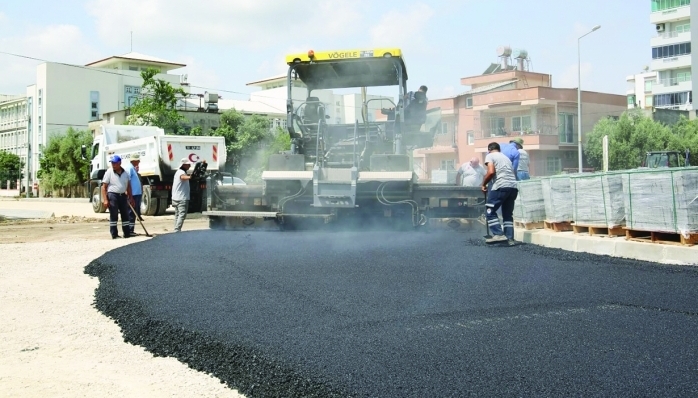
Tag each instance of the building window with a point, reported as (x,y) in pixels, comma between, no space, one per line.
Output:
(683,28)
(497,126)
(133,68)
(683,77)
(566,128)
(661,5)
(469,102)
(673,99)
(553,165)
(471,137)
(674,50)
(648,101)
(448,165)
(520,123)
(94,105)
(648,85)
(444,128)
(631,100)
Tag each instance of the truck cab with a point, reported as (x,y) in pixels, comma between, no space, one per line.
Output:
(661,159)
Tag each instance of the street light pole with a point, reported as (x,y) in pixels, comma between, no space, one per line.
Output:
(579,97)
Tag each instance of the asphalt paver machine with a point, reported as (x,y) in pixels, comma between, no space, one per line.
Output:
(358,173)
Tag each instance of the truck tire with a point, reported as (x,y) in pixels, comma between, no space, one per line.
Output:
(149,204)
(162,206)
(97,205)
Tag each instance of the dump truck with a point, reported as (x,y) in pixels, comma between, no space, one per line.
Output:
(160,156)
(358,173)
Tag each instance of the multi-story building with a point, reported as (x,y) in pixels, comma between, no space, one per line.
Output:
(671,54)
(509,101)
(13,127)
(341,108)
(640,90)
(67,96)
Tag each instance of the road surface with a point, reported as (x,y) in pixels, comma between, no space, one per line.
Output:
(404,315)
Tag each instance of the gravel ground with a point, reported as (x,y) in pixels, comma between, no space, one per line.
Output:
(53,342)
(405,315)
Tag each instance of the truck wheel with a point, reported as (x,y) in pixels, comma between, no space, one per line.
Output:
(215,222)
(97,205)
(149,204)
(162,206)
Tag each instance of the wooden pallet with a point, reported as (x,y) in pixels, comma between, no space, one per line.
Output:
(667,238)
(598,230)
(558,226)
(529,225)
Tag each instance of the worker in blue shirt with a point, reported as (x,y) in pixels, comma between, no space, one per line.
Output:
(136,191)
(512,152)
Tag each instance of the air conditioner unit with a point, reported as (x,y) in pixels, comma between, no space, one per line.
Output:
(660,27)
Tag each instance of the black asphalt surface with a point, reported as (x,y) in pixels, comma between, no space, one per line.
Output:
(405,314)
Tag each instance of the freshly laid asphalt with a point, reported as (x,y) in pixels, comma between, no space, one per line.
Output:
(404,314)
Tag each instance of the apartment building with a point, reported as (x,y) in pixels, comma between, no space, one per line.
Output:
(640,90)
(13,127)
(671,54)
(509,100)
(66,96)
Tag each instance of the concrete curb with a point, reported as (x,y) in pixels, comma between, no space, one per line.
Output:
(20,214)
(59,200)
(614,247)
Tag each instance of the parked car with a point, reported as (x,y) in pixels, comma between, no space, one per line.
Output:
(230,180)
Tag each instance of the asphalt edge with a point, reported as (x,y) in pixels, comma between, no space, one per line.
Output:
(240,368)
(614,247)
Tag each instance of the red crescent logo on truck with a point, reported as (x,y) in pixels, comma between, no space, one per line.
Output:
(193,158)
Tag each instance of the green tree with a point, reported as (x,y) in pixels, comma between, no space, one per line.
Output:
(157,105)
(61,165)
(11,167)
(245,141)
(279,142)
(629,138)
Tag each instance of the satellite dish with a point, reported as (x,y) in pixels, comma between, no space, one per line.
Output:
(646,68)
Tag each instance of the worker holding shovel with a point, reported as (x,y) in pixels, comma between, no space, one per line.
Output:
(136,191)
(502,194)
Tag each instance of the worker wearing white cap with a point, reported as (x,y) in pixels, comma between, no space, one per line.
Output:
(136,190)
(180,193)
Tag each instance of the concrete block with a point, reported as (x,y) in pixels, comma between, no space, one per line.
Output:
(596,245)
(563,240)
(682,255)
(640,251)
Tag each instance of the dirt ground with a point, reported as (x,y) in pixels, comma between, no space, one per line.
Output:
(53,342)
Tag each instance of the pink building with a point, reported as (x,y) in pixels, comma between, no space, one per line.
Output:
(510,101)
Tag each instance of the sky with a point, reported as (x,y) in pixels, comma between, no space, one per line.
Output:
(229,43)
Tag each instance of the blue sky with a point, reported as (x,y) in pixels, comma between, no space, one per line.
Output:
(228,43)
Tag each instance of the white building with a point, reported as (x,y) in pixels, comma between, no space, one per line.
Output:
(640,90)
(341,108)
(67,96)
(671,54)
(13,127)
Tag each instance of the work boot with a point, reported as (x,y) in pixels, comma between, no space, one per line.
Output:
(496,238)
(512,242)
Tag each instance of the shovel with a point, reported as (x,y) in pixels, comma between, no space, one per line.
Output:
(140,220)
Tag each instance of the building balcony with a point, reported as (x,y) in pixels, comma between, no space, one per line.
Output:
(667,38)
(678,62)
(671,14)
(666,86)
(546,138)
